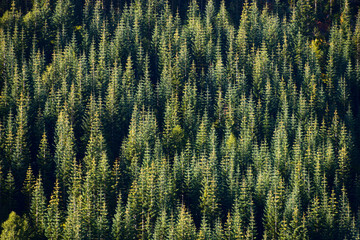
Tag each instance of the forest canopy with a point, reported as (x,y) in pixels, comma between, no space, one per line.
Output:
(157,119)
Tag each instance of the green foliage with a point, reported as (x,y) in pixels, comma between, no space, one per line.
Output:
(53,217)
(118,227)
(185,228)
(15,227)
(38,207)
(64,151)
(63,15)
(201,119)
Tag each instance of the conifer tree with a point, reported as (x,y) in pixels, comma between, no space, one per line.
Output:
(343,157)
(205,231)
(102,228)
(208,198)
(173,132)
(20,155)
(96,146)
(344,214)
(9,140)
(305,14)
(127,90)
(74,225)
(64,149)
(274,207)
(38,207)
(44,161)
(161,228)
(9,191)
(53,217)
(29,185)
(118,223)
(185,228)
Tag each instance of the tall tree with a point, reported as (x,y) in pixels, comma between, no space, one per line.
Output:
(21,152)
(38,207)
(64,149)
(53,217)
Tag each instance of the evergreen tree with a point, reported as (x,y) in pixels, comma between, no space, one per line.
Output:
(185,228)
(20,157)
(161,229)
(208,199)
(29,185)
(44,161)
(173,132)
(64,149)
(74,225)
(53,217)
(118,225)
(38,207)
(9,191)
(273,208)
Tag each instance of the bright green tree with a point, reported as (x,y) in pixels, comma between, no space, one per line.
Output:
(15,227)
(64,149)
(53,217)
(38,207)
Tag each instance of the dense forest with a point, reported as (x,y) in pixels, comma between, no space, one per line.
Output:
(157,119)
